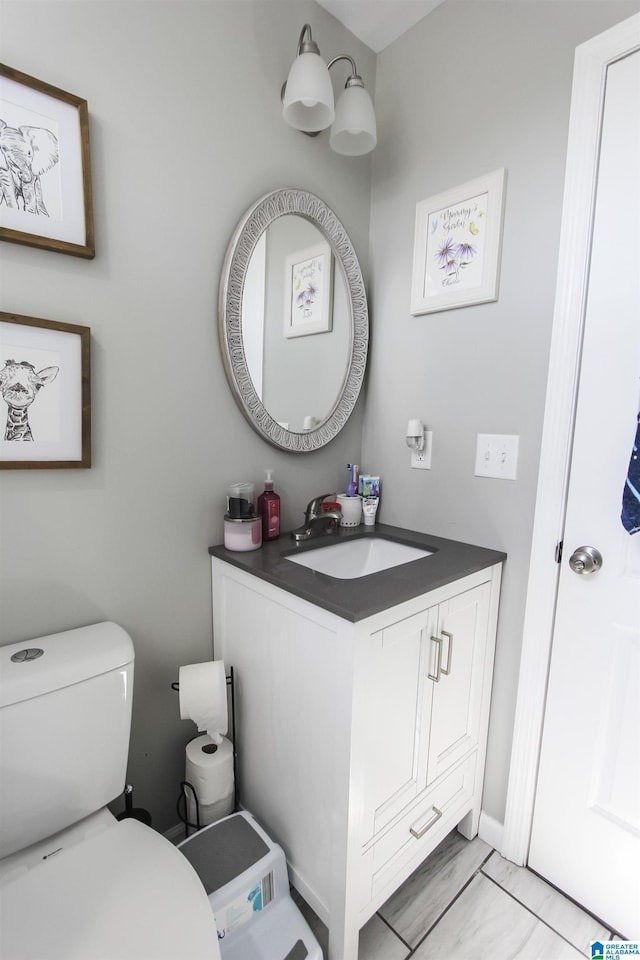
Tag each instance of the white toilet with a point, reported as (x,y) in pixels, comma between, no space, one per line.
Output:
(76,883)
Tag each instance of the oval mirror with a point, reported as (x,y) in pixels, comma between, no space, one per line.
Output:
(293,320)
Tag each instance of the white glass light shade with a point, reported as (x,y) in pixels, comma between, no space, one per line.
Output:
(354,129)
(308,98)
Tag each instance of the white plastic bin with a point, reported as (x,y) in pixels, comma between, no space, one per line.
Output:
(245,876)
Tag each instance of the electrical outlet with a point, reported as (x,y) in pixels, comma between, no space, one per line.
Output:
(497,456)
(421,459)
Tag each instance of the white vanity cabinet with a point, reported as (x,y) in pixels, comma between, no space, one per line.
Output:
(360,744)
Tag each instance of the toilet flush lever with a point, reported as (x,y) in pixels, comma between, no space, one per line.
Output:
(585,560)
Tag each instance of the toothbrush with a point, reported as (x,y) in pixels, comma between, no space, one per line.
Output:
(352,487)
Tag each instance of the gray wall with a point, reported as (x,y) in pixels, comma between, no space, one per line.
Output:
(473,87)
(186,132)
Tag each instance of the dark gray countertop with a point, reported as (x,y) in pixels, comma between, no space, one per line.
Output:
(364,596)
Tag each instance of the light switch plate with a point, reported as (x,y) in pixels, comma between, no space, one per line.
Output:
(497,456)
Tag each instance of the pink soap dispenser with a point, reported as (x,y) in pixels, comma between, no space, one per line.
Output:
(269,509)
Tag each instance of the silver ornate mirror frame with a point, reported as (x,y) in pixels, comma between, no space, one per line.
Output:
(255,221)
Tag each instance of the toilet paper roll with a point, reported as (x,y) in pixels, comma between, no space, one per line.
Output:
(210,773)
(203,697)
(208,813)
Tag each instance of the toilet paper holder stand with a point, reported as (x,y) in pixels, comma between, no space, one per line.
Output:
(184,785)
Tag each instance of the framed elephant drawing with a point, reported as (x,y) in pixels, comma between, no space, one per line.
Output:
(45,171)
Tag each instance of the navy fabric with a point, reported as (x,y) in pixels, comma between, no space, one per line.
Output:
(631,495)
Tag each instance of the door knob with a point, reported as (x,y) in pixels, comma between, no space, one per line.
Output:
(585,560)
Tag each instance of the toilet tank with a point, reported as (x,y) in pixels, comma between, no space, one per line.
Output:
(65,717)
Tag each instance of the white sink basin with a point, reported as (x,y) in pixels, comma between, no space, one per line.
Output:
(358,558)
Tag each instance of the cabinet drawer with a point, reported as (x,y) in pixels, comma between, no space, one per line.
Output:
(421,827)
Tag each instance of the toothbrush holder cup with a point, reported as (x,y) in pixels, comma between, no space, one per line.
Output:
(351,510)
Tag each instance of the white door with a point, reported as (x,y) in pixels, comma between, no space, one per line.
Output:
(586,824)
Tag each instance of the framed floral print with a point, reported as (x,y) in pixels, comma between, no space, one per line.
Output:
(308,295)
(457,245)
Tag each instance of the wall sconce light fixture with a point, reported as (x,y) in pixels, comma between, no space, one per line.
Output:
(308,105)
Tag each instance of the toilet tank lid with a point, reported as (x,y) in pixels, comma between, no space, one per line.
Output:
(68,657)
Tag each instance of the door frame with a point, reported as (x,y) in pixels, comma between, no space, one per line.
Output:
(592,60)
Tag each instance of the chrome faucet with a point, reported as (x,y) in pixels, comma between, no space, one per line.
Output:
(316,520)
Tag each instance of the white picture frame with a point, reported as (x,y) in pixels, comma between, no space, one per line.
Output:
(308,291)
(457,246)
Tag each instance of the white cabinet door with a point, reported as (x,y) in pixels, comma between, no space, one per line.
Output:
(395,712)
(421,701)
(458,652)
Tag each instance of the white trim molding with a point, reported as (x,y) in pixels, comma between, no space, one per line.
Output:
(587,100)
(490,830)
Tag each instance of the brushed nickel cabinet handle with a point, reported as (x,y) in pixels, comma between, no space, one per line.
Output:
(438,642)
(420,830)
(447,670)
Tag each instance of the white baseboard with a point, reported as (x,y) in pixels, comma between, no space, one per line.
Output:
(490,831)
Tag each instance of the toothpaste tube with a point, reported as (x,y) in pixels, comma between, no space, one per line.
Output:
(369,508)
(368,486)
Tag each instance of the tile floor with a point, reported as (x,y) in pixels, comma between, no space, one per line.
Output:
(467,903)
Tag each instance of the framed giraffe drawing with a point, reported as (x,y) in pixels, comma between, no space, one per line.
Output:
(45,389)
